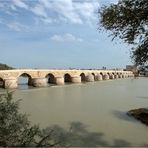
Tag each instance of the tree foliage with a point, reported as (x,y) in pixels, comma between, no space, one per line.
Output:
(5,67)
(15,129)
(128,20)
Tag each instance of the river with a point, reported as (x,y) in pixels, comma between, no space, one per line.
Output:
(101,106)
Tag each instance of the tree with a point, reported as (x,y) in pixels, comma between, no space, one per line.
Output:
(5,67)
(15,129)
(128,20)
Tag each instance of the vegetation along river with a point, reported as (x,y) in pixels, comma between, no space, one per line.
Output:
(101,106)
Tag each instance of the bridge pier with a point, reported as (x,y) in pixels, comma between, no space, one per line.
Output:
(116,76)
(30,81)
(10,83)
(90,78)
(59,80)
(39,82)
(106,77)
(76,79)
(123,76)
(119,76)
(99,77)
(111,76)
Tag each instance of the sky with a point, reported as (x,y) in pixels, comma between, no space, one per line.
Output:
(57,34)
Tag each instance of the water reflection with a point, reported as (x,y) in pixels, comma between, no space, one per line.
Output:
(79,136)
(121,143)
(123,116)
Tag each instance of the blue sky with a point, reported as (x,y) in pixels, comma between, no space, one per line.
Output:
(57,34)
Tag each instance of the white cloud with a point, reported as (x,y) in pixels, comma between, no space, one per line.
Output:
(20,3)
(86,9)
(56,11)
(46,3)
(39,10)
(8,9)
(46,20)
(57,38)
(66,10)
(65,38)
(72,11)
(17,26)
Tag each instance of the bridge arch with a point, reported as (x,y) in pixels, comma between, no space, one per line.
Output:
(50,78)
(119,75)
(111,75)
(83,77)
(25,78)
(108,73)
(2,83)
(101,73)
(67,78)
(94,76)
(25,75)
(98,77)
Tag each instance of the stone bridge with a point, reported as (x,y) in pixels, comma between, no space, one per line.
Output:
(41,77)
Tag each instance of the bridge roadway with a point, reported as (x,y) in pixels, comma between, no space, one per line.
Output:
(41,77)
